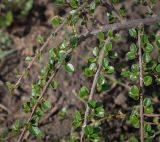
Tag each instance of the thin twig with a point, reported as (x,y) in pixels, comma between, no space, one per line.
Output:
(5,108)
(151,115)
(109,117)
(141,87)
(102,53)
(46,44)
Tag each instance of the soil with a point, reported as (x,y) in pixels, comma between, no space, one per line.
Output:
(56,128)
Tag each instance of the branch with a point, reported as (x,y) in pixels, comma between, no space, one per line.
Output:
(101,56)
(41,96)
(46,44)
(141,87)
(120,26)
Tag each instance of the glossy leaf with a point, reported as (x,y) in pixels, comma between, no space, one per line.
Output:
(56,21)
(147,80)
(134,92)
(83,92)
(133,33)
(69,68)
(35,131)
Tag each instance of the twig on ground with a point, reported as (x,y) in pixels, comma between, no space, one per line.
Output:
(5,108)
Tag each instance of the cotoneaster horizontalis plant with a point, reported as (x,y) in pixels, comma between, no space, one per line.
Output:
(143,71)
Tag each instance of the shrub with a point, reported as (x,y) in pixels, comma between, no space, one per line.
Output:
(142,71)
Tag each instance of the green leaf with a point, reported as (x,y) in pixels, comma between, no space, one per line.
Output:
(106,87)
(99,111)
(36,89)
(54,84)
(110,33)
(125,73)
(28,58)
(10,86)
(147,102)
(131,55)
(101,36)
(69,68)
(68,58)
(6,20)
(39,112)
(108,46)
(135,68)
(148,110)
(158,68)
(88,72)
(134,92)
(83,91)
(46,105)
(93,67)
(158,80)
(77,118)
(105,63)
(122,11)
(151,65)
(73,3)
(144,39)
(146,57)
(73,41)
(133,139)
(133,48)
(74,19)
(96,51)
(35,131)
(16,126)
(63,112)
(92,104)
(40,39)
(88,130)
(26,107)
(110,70)
(113,54)
(117,37)
(147,127)
(134,120)
(133,33)
(92,6)
(147,80)
(148,47)
(101,80)
(133,76)
(56,21)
